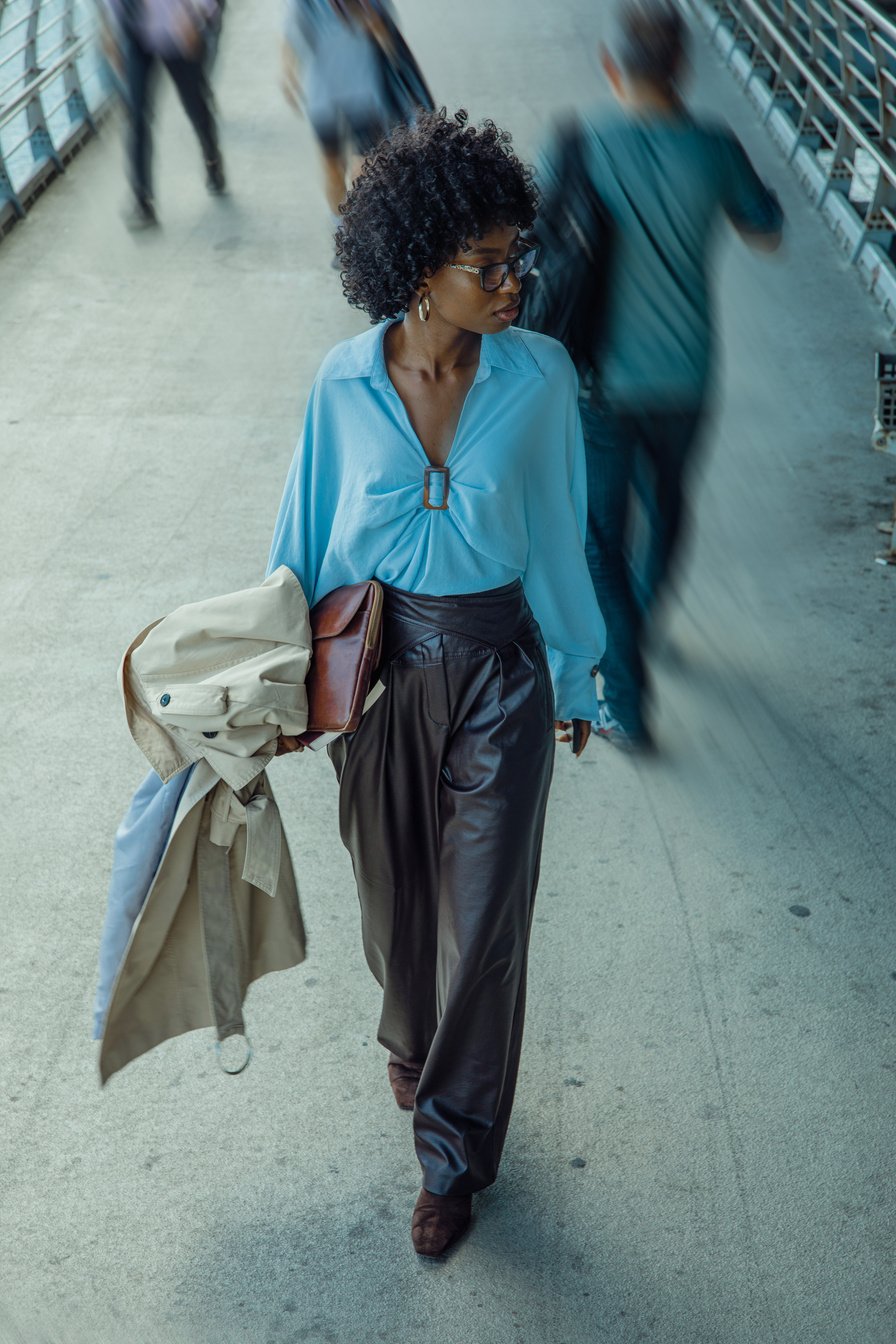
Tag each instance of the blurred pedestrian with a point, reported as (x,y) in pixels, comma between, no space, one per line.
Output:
(347,63)
(173,33)
(112,63)
(662,177)
(442,454)
(212,43)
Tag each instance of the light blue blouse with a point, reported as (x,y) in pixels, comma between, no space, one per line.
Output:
(353,505)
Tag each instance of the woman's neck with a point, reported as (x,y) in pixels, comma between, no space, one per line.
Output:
(435,348)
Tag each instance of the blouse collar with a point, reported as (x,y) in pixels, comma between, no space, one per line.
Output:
(363,357)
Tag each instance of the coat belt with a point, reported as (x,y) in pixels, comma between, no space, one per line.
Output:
(261,818)
(222,818)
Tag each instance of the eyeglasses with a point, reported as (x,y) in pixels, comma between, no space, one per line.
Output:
(493,276)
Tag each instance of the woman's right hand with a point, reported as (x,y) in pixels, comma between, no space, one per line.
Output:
(285,745)
(563,732)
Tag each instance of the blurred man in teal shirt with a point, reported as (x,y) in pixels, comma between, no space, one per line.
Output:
(665,178)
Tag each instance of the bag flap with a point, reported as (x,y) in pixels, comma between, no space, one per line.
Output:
(331,615)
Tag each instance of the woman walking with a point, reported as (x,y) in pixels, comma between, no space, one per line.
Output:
(348,64)
(173,33)
(442,454)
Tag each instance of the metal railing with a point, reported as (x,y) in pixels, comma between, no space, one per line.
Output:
(54,86)
(824,73)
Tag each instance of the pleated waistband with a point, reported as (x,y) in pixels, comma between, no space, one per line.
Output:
(496,617)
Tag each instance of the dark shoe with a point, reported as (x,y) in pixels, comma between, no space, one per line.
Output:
(403,1079)
(439,1221)
(141,216)
(215,180)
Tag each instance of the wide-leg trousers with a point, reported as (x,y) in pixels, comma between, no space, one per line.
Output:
(443,791)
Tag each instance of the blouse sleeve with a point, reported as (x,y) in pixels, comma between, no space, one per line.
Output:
(304,523)
(557,582)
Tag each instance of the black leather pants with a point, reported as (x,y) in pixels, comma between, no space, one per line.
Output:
(443,791)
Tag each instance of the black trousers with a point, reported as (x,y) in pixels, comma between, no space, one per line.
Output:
(442,800)
(192,86)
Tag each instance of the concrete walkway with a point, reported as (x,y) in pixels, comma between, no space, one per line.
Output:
(702,1143)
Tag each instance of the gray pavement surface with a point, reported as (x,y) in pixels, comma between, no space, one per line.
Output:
(701,1151)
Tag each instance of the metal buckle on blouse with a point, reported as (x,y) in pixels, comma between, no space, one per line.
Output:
(428,473)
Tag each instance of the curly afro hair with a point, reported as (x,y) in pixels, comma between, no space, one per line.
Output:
(423,193)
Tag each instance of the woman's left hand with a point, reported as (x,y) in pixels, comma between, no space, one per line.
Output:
(564,729)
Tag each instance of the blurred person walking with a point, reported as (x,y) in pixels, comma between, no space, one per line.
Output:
(662,178)
(212,43)
(442,455)
(173,33)
(347,63)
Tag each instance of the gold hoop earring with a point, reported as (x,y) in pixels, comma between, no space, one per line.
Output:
(423,312)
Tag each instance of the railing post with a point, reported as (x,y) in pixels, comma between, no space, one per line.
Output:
(42,146)
(78,111)
(762,60)
(842,168)
(787,73)
(815,110)
(722,8)
(7,194)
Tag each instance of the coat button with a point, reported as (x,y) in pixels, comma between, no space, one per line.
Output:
(210,734)
(165,699)
(594,670)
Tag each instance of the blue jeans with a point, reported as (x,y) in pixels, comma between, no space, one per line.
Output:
(644,453)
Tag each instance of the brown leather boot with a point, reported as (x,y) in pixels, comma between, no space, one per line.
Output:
(439,1221)
(403,1078)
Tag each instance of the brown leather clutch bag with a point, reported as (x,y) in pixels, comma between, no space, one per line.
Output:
(346,638)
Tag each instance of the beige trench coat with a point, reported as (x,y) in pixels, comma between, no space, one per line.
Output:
(213,685)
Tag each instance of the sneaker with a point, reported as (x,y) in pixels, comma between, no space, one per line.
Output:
(215,181)
(141,216)
(612,731)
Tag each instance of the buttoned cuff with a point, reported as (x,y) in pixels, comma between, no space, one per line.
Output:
(575,694)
